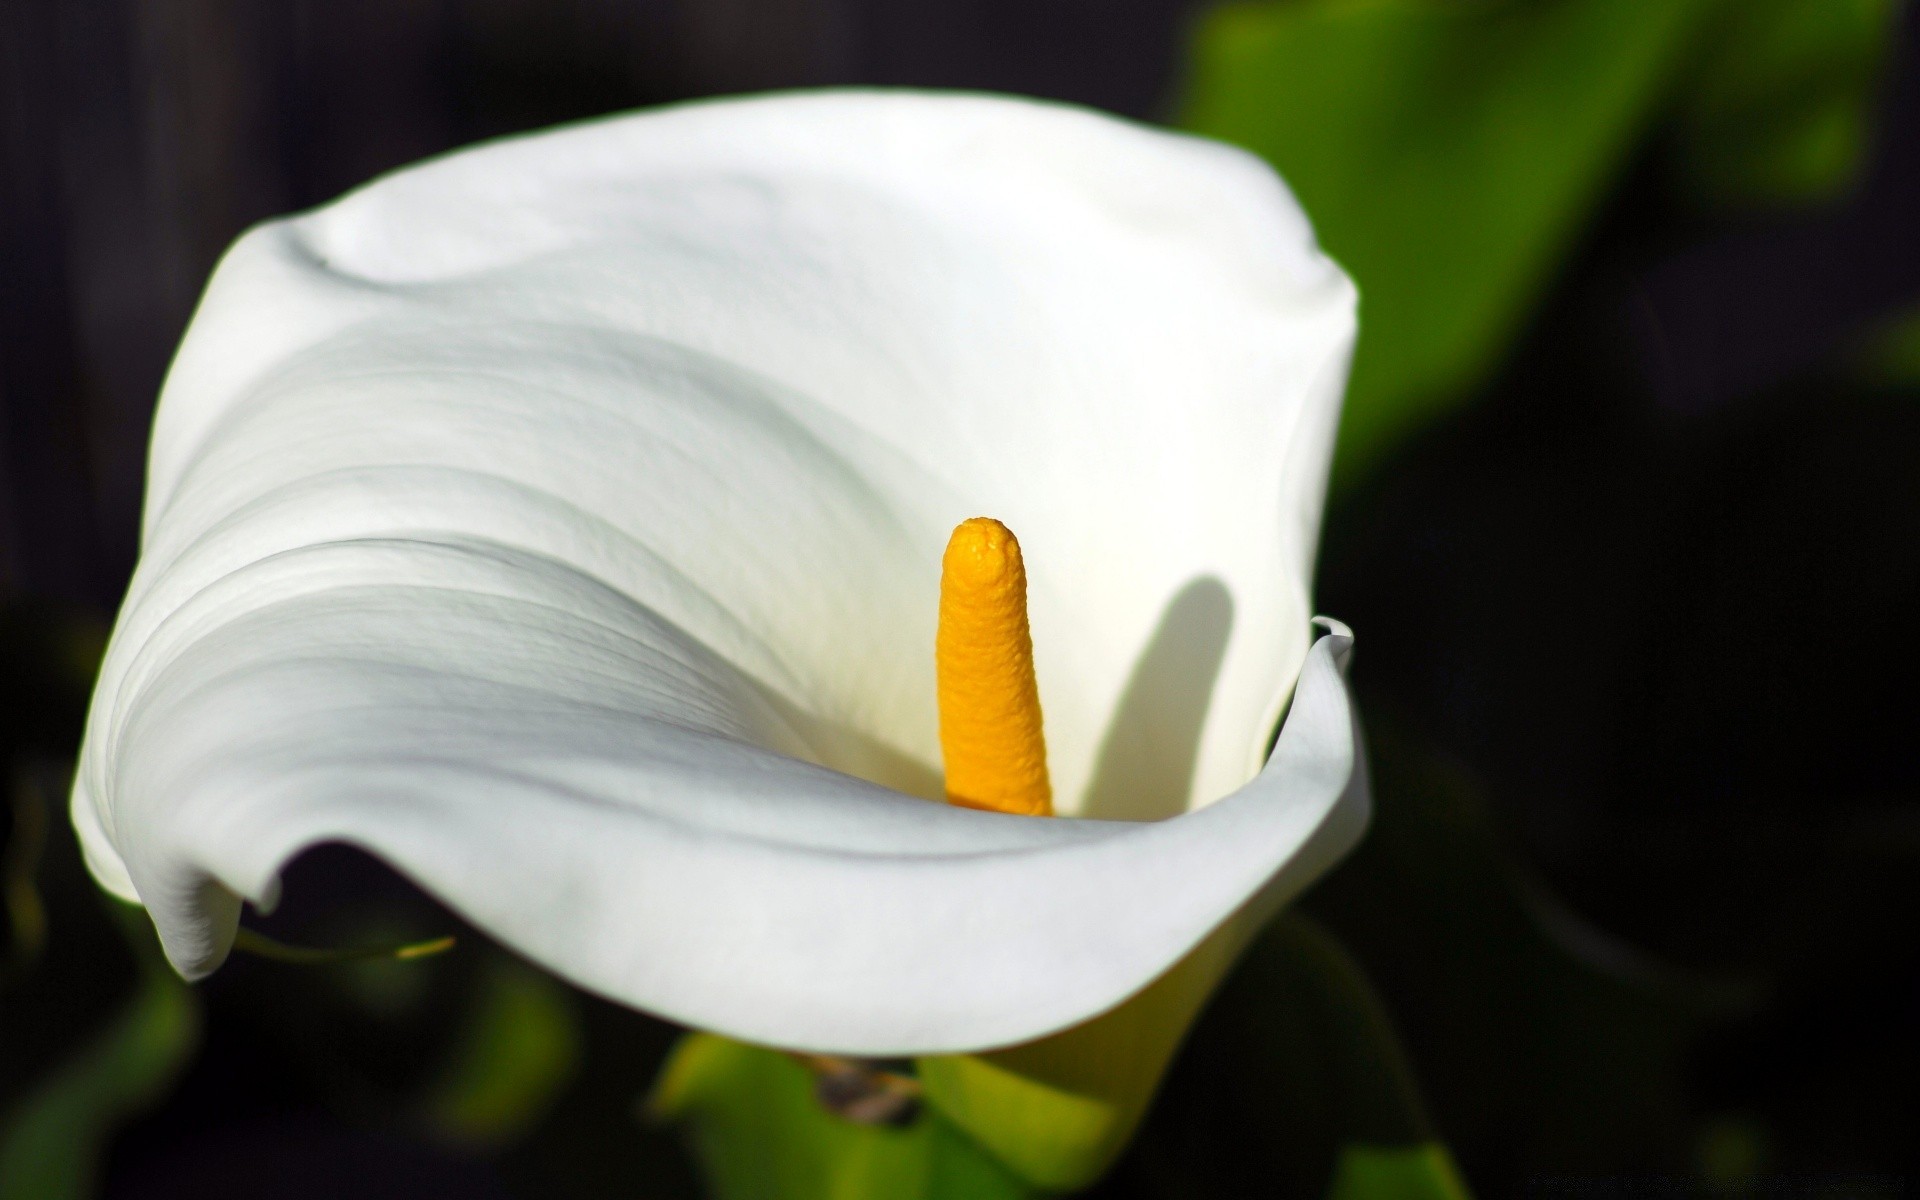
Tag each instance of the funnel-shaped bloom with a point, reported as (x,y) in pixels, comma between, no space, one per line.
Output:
(561,522)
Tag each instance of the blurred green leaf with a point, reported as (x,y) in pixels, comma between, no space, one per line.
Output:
(52,1142)
(1060,1109)
(1890,354)
(588,1145)
(1450,153)
(519,1049)
(759,1132)
(1447,154)
(1368,1084)
(1731,1154)
(1303,1021)
(1423,1172)
(1535,1033)
(19,883)
(1294,1084)
(1779,108)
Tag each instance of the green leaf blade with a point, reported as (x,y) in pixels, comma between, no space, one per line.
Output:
(1422,1172)
(759,1133)
(53,1141)
(1450,155)
(1447,155)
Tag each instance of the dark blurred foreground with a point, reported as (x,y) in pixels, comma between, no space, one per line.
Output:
(1636,644)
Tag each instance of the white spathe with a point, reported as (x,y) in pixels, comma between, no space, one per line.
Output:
(560,520)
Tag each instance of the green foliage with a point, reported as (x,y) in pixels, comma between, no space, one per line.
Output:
(1450,154)
(1293,1084)
(52,1142)
(62,1096)
(1538,1033)
(1303,1027)
(1447,154)
(1050,1116)
(1777,111)
(519,1048)
(754,1123)
(75,961)
(1890,355)
(1059,1110)
(1315,986)
(26,912)
(1423,1172)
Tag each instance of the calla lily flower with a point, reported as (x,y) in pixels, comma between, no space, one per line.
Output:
(560,521)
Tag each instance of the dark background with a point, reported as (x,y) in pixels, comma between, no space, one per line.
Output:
(1636,628)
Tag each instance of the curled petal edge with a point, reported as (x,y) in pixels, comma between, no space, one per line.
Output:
(951,952)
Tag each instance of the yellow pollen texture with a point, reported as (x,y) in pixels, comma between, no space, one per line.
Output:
(990,734)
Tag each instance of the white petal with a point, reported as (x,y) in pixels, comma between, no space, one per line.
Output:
(549,518)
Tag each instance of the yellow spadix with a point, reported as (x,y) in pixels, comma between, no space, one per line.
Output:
(990,733)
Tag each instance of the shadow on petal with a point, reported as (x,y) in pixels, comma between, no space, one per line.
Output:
(1145,767)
